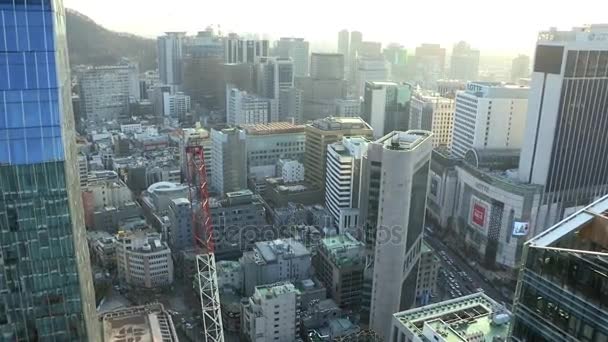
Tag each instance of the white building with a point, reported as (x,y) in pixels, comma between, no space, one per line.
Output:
(143,260)
(370,69)
(290,170)
(170,51)
(342,179)
(489,115)
(271,314)
(245,109)
(229,158)
(238,50)
(394,181)
(348,108)
(167,102)
(432,112)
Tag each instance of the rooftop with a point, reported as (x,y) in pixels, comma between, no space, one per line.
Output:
(149,323)
(274,290)
(594,32)
(272,128)
(405,141)
(343,249)
(457,320)
(332,123)
(269,251)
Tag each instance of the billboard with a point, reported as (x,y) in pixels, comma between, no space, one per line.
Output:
(479,213)
(521,228)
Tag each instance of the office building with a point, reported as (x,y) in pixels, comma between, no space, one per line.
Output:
(475,317)
(356,38)
(267,144)
(396,57)
(561,292)
(106,91)
(464,62)
(149,322)
(170,53)
(520,68)
(241,75)
(47,289)
(274,261)
(298,50)
(386,106)
(370,69)
(243,108)
(319,134)
(348,108)
(229,158)
(440,201)
(167,103)
(431,112)
(343,45)
(489,115)
(290,171)
(426,283)
(239,221)
(143,259)
(370,49)
(339,264)
(327,66)
(429,64)
(274,74)
(202,80)
(449,88)
(342,180)
(180,230)
(565,129)
(290,105)
(271,314)
(238,50)
(394,165)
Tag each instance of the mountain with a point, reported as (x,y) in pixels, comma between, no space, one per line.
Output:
(90,43)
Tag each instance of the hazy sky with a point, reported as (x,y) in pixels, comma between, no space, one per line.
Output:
(506,26)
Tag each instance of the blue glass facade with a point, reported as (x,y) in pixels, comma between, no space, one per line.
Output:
(46,291)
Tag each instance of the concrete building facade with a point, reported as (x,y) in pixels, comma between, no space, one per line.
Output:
(432,112)
(229,160)
(143,259)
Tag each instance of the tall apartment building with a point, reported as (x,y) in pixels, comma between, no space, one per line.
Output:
(106,91)
(272,313)
(229,158)
(464,62)
(565,138)
(243,108)
(394,165)
(370,69)
(562,288)
(323,132)
(431,112)
(489,115)
(339,264)
(342,180)
(47,290)
(275,261)
(170,53)
(520,67)
(386,106)
(143,259)
(238,50)
(180,230)
(298,50)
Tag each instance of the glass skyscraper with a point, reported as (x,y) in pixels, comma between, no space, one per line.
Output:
(46,291)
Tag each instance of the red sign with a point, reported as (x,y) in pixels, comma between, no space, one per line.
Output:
(479,214)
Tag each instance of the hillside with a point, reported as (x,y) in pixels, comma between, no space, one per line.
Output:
(90,43)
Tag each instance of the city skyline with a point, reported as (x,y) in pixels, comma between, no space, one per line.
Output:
(493,35)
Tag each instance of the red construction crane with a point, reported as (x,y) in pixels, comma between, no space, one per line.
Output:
(202,226)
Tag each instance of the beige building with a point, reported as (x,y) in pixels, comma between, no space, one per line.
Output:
(323,132)
(143,259)
(430,111)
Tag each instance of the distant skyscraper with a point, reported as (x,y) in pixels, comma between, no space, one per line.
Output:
(356,38)
(229,156)
(290,105)
(396,56)
(370,49)
(561,293)
(395,167)
(343,44)
(46,289)
(565,135)
(274,74)
(170,52)
(237,50)
(298,50)
(243,108)
(489,115)
(386,106)
(520,68)
(464,62)
(431,112)
(429,64)
(370,69)
(327,66)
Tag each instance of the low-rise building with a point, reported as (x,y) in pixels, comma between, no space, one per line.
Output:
(426,282)
(290,170)
(102,246)
(475,317)
(143,259)
(149,323)
(279,193)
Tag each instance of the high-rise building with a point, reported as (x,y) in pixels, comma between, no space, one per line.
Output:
(464,62)
(229,158)
(431,112)
(489,115)
(520,67)
(343,45)
(202,77)
(348,108)
(327,66)
(170,104)
(244,109)
(394,165)
(429,64)
(356,38)
(47,289)
(274,74)
(370,69)
(396,56)
(562,288)
(290,105)
(565,138)
(370,49)
(272,313)
(238,50)
(170,52)
(323,132)
(386,106)
(342,180)
(106,91)
(298,50)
